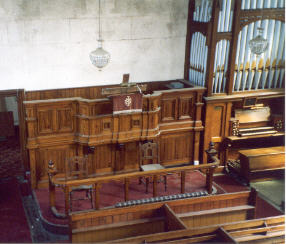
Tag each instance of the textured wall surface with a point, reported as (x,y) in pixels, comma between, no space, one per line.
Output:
(46,43)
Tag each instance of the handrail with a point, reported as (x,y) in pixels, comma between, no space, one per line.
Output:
(106,178)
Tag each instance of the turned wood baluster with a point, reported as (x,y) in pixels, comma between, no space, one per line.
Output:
(211,159)
(51,172)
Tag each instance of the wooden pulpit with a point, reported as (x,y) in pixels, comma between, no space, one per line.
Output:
(127,97)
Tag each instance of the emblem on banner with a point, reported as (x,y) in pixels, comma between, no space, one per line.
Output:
(128,101)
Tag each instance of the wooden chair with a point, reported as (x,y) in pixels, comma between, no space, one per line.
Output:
(77,168)
(150,160)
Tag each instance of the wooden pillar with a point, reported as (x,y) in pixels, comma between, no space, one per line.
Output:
(209,179)
(211,37)
(22,128)
(32,154)
(233,45)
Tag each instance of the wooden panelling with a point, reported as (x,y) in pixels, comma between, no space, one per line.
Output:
(57,154)
(102,160)
(82,117)
(176,148)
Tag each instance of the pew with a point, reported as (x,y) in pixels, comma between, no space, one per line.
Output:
(265,230)
(161,217)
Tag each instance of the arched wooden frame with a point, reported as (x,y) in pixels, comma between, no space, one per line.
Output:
(249,16)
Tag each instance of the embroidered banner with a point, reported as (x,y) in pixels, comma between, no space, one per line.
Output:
(127,103)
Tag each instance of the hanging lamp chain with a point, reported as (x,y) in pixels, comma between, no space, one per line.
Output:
(99,22)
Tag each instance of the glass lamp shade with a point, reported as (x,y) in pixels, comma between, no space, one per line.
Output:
(258,45)
(99,57)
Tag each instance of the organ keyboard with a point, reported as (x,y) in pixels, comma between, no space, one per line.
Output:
(257,131)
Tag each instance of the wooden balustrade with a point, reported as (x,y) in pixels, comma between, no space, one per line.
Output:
(96,182)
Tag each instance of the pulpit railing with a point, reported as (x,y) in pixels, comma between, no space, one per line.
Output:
(96,182)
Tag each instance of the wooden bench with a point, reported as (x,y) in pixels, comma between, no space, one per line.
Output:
(161,217)
(262,163)
(266,230)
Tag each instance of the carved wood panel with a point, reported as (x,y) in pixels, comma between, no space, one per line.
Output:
(65,120)
(45,121)
(185,107)
(168,109)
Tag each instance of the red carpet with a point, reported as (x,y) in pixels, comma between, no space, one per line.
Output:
(13,225)
(10,158)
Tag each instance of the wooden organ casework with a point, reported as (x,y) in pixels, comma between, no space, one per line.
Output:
(78,121)
(244,100)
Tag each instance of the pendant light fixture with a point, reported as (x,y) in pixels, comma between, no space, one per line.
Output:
(99,57)
(258,45)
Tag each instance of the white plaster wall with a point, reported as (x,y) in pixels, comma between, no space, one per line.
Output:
(45,44)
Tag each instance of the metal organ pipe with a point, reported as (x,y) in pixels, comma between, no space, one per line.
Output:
(198,53)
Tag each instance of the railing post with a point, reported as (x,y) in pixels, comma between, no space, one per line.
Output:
(211,152)
(183,181)
(67,200)
(211,158)
(209,179)
(155,182)
(126,189)
(51,172)
(96,200)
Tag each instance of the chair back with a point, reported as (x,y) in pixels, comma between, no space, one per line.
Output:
(149,153)
(76,167)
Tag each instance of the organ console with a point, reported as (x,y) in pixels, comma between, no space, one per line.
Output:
(254,150)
